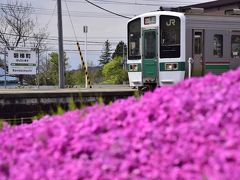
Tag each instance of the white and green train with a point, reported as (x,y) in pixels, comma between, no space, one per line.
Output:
(161,43)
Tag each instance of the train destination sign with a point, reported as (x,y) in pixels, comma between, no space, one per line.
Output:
(22,61)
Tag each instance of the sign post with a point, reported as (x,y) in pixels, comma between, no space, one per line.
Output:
(38,67)
(21,61)
(85,30)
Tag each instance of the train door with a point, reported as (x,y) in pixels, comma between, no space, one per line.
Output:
(198,50)
(150,67)
(235,50)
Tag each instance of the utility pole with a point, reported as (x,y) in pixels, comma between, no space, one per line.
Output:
(61,63)
(123,57)
(5,67)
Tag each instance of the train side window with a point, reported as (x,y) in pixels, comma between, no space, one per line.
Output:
(235,46)
(218,45)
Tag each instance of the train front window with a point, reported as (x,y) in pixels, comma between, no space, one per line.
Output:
(169,36)
(134,39)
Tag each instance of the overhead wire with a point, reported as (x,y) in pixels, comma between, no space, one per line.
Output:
(53,12)
(55,39)
(107,10)
(43,11)
(128,3)
(173,2)
(74,32)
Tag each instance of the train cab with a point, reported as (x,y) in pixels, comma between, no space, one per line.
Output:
(156,49)
(161,43)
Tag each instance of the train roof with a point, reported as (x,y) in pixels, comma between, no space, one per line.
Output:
(155,13)
(204,16)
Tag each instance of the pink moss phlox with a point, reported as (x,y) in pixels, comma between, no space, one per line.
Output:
(187,131)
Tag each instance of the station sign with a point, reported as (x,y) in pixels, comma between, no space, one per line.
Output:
(22,61)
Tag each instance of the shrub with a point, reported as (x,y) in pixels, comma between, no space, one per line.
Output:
(187,131)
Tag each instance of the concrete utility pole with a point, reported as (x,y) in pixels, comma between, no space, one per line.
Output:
(61,63)
(5,67)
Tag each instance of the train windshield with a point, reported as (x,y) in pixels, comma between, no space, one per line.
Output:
(134,39)
(169,36)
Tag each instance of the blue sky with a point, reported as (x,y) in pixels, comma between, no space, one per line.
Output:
(101,25)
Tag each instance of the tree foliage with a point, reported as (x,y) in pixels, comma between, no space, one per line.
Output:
(121,49)
(50,75)
(113,72)
(106,53)
(76,77)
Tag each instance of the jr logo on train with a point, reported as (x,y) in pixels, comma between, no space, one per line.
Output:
(161,43)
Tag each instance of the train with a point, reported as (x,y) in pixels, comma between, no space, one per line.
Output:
(165,47)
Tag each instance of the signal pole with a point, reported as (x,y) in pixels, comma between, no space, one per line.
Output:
(61,63)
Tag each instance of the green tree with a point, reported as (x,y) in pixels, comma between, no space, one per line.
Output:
(50,77)
(75,77)
(53,69)
(121,49)
(113,72)
(106,53)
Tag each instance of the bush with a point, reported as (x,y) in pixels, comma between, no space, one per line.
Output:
(187,131)
(113,72)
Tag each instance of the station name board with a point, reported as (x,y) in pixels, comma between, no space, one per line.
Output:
(21,61)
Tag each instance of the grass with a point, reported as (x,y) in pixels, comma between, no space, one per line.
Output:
(59,109)
(1,124)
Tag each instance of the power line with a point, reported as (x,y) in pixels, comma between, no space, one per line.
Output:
(53,38)
(173,2)
(18,7)
(81,15)
(74,32)
(129,3)
(53,12)
(44,11)
(107,10)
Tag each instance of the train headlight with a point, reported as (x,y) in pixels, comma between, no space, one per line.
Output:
(171,66)
(133,67)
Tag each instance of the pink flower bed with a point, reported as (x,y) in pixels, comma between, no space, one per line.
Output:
(187,131)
